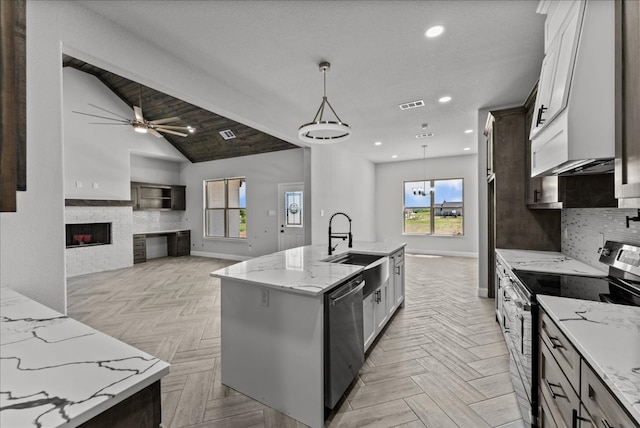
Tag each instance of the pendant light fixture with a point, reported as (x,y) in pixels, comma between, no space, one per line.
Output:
(321,130)
(422,191)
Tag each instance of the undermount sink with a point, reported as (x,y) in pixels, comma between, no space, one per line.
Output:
(359,259)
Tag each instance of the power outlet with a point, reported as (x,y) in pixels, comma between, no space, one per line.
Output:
(264,298)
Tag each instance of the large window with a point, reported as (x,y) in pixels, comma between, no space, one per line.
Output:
(433,207)
(225,208)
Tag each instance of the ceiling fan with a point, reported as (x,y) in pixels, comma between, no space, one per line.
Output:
(140,124)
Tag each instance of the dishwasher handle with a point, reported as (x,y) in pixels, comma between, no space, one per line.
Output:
(335,300)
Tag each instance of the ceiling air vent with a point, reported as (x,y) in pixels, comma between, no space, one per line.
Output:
(411,104)
(228,134)
(430,134)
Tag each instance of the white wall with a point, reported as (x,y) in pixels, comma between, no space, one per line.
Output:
(389,184)
(263,173)
(54,27)
(153,170)
(342,182)
(100,154)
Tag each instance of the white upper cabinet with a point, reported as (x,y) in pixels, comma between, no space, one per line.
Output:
(557,67)
(573,121)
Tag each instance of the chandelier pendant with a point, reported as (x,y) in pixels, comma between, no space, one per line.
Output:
(321,130)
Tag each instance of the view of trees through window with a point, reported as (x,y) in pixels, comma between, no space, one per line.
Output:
(225,212)
(433,207)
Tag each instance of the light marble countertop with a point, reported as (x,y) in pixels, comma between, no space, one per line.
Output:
(547,261)
(301,269)
(152,232)
(608,337)
(56,371)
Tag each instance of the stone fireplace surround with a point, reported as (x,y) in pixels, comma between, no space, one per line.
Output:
(91,259)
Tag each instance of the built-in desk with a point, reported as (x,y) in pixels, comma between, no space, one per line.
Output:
(178,243)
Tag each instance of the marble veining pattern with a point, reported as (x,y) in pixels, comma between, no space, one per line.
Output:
(548,261)
(55,371)
(301,269)
(608,338)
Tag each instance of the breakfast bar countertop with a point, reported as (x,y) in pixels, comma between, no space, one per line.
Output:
(56,371)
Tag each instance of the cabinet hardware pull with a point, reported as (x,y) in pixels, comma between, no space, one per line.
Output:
(605,424)
(553,394)
(536,194)
(398,270)
(541,110)
(575,418)
(521,334)
(555,345)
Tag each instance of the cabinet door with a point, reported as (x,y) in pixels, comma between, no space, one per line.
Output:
(380,300)
(184,243)
(391,289)
(627,84)
(557,70)
(178,199)
(399,281)
(556,390)
(369,320)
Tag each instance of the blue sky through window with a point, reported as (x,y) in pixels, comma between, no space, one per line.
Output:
(445,190)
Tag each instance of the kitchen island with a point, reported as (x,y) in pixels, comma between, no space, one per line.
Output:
(56,372)
(273,326)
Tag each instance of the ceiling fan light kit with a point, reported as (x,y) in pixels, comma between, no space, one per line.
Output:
(320,130)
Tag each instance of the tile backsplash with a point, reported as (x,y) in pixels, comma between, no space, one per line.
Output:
(584,229)
(150,221)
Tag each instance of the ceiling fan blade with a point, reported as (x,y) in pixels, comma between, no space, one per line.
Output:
(138,112)
(170,132)
(103,123)
(175,128)
(165,120)
(101,117)
(104,109)
(154,132)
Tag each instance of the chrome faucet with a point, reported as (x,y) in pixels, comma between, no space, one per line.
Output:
(342,236)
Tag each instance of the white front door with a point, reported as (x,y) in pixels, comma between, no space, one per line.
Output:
(290,215)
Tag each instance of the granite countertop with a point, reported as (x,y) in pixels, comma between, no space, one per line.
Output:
(56,371)
(608,337)
(301,269)
(547,261)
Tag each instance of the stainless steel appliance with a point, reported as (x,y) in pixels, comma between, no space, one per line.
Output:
(344,343)
(518,310)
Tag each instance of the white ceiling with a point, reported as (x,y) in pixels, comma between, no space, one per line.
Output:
(489,56)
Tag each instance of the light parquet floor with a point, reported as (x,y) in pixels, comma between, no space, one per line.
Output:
(441,362)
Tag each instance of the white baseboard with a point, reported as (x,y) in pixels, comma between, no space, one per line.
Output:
(440,253)
(220,256)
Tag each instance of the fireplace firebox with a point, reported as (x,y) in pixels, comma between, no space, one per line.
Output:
(88,234)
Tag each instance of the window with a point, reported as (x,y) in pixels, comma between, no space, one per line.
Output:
(433,207)
(225,208)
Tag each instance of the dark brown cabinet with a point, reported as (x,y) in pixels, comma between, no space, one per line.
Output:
(627,164)
(139,249)
(511,225)
(179,243)
(157,197)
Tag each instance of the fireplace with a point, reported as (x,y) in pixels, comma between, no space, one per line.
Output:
(88,234)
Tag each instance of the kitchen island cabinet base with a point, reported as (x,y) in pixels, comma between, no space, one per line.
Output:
(272,348)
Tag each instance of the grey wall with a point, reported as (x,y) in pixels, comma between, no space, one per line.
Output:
(263,173)
(389,185)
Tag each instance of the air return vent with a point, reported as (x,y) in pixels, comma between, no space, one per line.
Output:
(228,134)
(411,104)
(430,134)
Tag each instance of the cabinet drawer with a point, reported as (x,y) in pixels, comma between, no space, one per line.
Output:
(562,350)
(545,419)
(601,405)
(139,245)
(556,389)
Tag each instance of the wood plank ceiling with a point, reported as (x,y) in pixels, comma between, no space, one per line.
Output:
(206,144)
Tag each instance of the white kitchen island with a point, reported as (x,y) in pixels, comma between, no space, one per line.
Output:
(272,332)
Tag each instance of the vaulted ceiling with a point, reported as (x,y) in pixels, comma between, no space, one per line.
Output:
(206,143)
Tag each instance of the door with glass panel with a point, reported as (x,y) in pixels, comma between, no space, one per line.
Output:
(290,215)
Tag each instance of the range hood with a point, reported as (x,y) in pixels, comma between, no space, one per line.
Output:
(578,134)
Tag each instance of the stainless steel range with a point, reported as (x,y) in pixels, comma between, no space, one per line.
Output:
(517,310)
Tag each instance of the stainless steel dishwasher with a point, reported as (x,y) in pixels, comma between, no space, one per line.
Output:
(343,336)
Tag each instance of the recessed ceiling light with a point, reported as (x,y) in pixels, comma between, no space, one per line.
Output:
(468,131)
(394,156)
(445,99)
(377,143)
(467,149)
(434,31)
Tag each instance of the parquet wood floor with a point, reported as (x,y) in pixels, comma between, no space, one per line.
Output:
(441,362)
